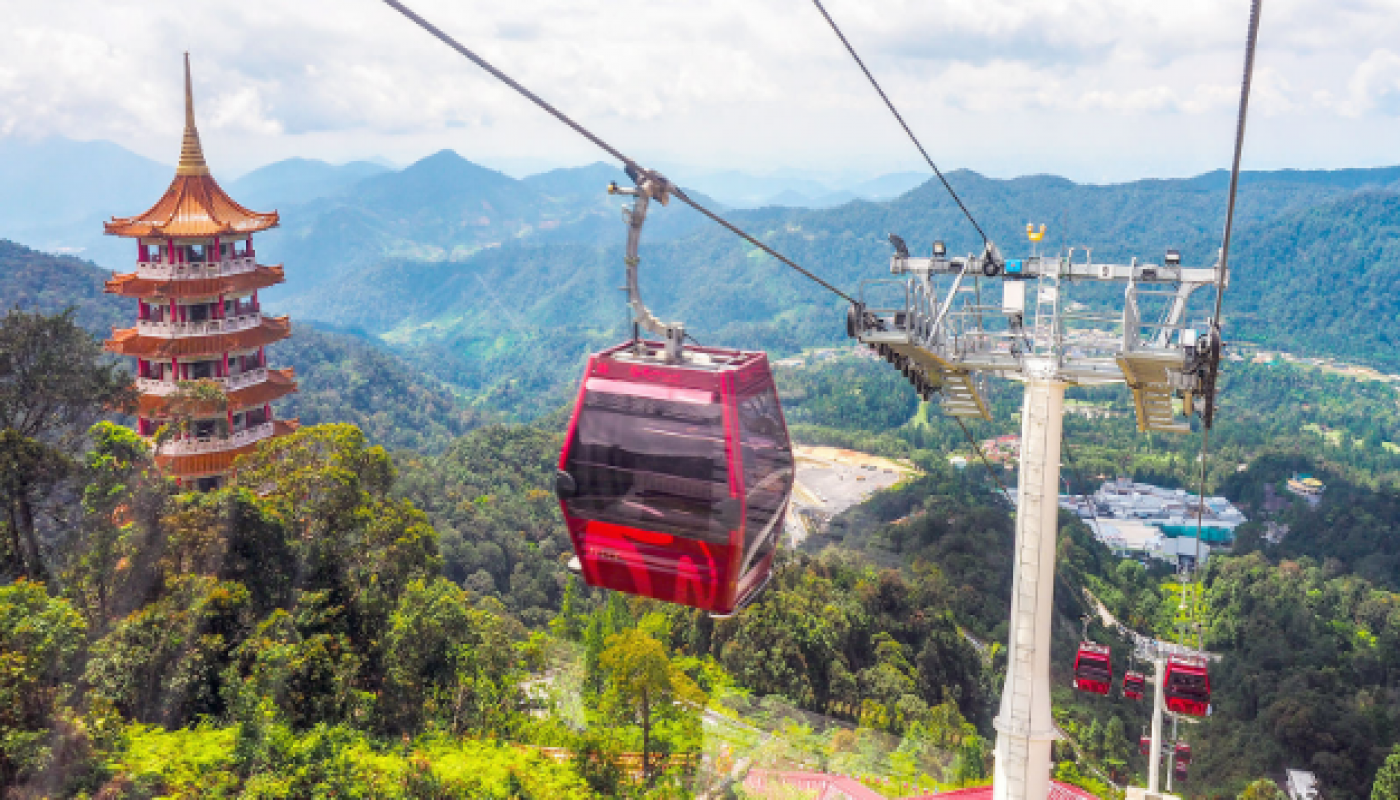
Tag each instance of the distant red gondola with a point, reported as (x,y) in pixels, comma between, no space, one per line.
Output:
(1183,753)
(675,477)
(1145,745)
(1180,772)
(1187,686)
(1093,670)
(1134,683)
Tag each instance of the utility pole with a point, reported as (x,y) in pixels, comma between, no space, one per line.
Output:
(951,323)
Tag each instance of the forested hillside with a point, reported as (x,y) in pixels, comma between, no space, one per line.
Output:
(427,278)
(305,627)
(343,378)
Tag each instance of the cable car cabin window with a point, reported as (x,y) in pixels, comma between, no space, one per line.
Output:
(652,464)
(767,458)
(1189,685)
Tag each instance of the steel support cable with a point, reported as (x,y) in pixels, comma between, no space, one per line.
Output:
(1247,81)
(900,119)
(633,166)
(1251,40)
(977,448)
(678,192)
(1078,476)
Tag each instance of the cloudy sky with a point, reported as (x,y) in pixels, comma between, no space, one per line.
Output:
(1097,90)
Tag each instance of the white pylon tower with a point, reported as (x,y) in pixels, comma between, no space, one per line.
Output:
(949,323)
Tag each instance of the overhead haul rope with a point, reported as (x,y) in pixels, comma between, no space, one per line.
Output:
(977,448)
(902,124)
(1220,281)
(633,168)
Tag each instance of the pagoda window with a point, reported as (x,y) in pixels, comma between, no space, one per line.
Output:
(204,428)
(202,369)
(199,312)
(255,417)
(207,484)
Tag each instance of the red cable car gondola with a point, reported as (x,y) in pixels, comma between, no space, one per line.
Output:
(674,479)
(1187,686)
(1183,753)
(677,468)
(1093,670)
(1180,772)
(1145,745)
(1134,683)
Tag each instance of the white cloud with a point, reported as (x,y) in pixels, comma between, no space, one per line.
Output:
(748,83)
(1374,86)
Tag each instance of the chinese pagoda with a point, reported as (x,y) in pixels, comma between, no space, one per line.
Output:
(199,319)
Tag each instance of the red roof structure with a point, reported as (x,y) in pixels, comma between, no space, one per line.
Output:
(1058,791)
(194,205)
(781,783)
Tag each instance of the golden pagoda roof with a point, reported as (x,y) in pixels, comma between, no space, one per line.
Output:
(130,342)
(194,205)
(131,284)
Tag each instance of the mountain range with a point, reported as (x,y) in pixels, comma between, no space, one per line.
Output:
(499,286)
(471,303)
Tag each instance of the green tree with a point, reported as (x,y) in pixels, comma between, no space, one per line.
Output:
(292,669)
(120,487)
(568,623)
(55,381)
(1093,740)
(970,766)
(1262,789)
(448,662)
(41,643)
(644,685)
(166,662)
(330,492)
(1387,783)
(1115,745)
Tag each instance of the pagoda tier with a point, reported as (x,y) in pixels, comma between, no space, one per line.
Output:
(251,389)
(195,459)
(200,323)
(147,283)
(165,340)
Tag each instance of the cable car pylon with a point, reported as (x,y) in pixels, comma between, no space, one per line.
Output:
(941,324)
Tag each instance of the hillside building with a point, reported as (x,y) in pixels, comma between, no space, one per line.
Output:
(1302,785)
(1150,521)
(199,320)
(1307,487)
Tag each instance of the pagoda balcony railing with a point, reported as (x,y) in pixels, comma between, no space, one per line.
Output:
(193,446)
(195,269)
(164,388)
(204,327)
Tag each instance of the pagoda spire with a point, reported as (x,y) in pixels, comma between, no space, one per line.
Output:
(191,154)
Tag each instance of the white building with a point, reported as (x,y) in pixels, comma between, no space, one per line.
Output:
(1139,519)
(1302,785)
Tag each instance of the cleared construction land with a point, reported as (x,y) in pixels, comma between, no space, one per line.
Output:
(831,480)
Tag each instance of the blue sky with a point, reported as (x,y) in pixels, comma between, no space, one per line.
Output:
(1097,90)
